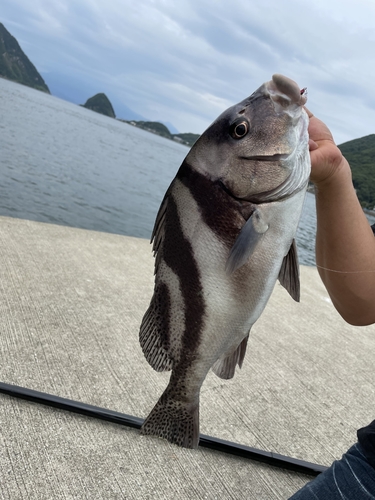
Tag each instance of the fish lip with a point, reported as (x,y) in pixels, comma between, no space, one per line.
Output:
(275,157)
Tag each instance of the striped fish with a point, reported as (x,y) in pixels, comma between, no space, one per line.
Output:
(223,235)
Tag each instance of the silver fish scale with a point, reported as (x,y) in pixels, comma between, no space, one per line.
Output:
(214,214)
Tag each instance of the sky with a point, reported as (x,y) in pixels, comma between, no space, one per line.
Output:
(185,61)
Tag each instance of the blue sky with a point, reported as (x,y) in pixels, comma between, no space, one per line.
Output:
(185,61)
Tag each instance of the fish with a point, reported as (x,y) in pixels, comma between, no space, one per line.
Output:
(223,236)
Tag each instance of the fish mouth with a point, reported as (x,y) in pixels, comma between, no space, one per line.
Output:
(276,157)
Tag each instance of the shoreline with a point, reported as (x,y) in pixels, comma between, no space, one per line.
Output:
(369,212)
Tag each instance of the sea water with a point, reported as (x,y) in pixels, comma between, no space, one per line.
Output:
(61,163)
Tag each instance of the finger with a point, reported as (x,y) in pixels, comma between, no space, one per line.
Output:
(312,145)
(309,114)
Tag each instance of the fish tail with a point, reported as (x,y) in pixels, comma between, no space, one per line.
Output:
(174,420)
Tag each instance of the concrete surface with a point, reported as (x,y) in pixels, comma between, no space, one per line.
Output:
(71,303)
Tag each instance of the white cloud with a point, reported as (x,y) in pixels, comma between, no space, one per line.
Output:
(185,61)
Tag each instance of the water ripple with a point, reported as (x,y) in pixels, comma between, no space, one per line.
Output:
(83,169)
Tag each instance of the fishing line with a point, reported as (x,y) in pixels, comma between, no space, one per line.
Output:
(273,459)
(343,272)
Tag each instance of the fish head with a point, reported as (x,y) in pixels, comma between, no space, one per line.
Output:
(258,148)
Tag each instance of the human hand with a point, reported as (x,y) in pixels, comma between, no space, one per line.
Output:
(326,158)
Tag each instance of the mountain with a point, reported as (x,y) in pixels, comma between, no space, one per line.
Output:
(172,129)
(360,154)
(158,128)
(101,104)
(15,65)
(154,127)
(186,138)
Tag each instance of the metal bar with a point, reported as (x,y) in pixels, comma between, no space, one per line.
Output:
(273,459)
(70,405)
(268,457)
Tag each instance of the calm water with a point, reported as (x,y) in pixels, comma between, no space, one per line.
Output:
(64,164)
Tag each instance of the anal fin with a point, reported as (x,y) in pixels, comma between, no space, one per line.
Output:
(225,367)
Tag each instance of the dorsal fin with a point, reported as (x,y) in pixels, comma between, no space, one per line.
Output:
(289,273)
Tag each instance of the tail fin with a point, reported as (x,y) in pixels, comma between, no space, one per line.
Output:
(175,421)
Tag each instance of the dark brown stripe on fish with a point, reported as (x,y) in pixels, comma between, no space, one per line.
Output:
(224,214)
(178,254)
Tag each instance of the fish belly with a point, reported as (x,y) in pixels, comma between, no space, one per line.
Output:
(216,315)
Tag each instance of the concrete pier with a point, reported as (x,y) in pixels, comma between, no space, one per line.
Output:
(71,303)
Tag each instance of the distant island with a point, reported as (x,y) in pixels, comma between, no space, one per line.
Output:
(160,129)
(101,104)
(15,66)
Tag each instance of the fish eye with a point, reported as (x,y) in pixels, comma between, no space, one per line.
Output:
(240,129)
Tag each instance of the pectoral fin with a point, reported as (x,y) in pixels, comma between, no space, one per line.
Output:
(247,240)
(289,273)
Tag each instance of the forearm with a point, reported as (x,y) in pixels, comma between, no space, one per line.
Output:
(345,248)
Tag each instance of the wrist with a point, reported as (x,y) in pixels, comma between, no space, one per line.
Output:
(337,178)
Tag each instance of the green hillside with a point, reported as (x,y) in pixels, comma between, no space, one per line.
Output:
(15,65)
(160,129)
(101,104)
(360,154)
(187,138)
(155,127)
